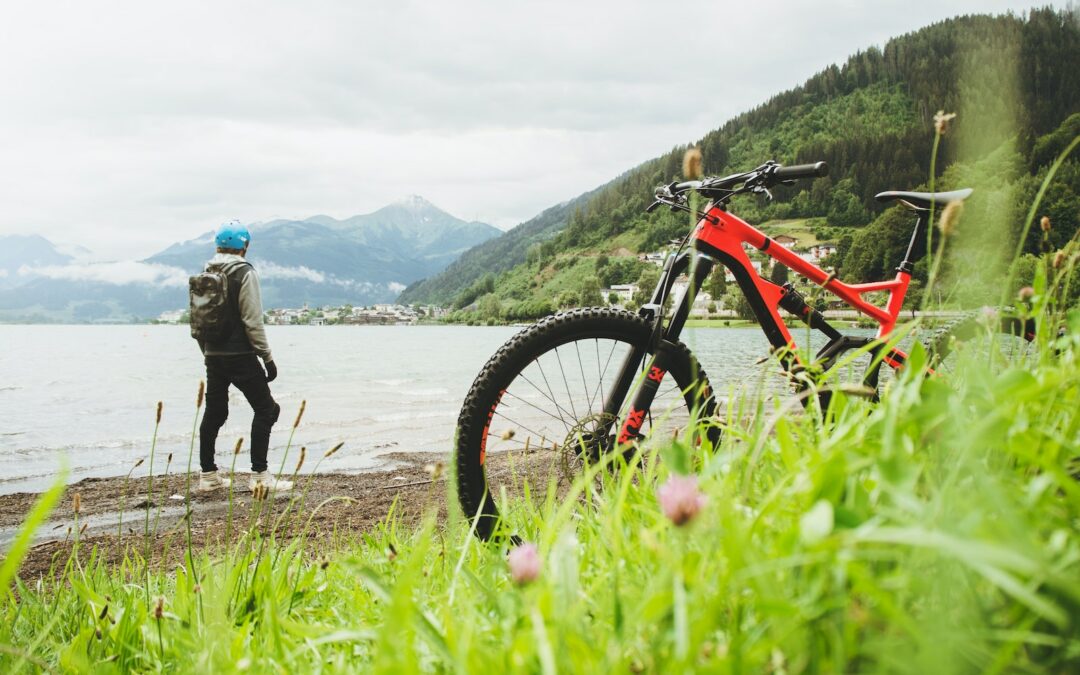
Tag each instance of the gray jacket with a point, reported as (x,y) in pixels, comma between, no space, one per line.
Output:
(251,311)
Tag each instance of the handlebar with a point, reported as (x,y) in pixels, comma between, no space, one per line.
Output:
(815,170)
(723,188)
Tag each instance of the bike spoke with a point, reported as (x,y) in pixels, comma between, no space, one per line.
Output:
(512,440)
(584,382)
(532,405)
(514,422)
(553,401)
(566,384)
(600,384)
(550,391)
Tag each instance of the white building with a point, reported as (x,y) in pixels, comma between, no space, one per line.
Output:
(624,291)
(171,316)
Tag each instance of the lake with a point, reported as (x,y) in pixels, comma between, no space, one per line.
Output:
(84,397)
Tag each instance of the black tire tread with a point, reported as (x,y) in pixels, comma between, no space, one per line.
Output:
(474,410)
(964,327)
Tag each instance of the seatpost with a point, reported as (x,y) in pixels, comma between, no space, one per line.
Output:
(920,222)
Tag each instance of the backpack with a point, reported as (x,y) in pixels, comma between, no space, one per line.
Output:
(211,315)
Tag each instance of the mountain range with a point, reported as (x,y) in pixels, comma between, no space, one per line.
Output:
(364,259)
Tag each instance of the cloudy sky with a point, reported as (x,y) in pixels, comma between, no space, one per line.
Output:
(125,126)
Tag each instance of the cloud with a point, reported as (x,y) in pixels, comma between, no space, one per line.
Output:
(143,129)
(272,271)
(269,270)
(117,273)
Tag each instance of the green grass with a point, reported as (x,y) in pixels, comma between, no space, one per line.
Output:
(792,228)
(720,323)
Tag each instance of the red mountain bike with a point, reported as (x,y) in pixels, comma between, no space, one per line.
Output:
(585,382)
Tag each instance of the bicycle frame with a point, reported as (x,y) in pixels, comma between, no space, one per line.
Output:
(721,234)
(719,237)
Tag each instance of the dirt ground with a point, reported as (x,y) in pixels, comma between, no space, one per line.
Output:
(113,512)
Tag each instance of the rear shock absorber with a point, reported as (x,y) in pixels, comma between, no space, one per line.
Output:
(793,302)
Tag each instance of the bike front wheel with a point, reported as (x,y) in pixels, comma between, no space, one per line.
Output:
(535,412)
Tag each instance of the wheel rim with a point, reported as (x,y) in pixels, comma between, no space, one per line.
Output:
(548,421)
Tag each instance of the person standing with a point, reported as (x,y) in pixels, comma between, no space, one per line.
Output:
(227,321)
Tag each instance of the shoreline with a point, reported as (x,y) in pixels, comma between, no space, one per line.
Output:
(114,512)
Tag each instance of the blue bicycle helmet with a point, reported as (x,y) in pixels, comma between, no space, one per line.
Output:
(232,235)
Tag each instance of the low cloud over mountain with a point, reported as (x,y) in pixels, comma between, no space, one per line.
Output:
(319,260)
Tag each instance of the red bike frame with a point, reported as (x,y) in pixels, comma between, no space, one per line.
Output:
(721,234)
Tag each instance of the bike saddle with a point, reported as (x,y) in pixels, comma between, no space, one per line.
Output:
(923,201)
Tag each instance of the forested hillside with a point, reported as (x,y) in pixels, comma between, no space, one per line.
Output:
(1012,81)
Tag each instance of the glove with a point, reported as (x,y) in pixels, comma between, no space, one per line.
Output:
(271,371)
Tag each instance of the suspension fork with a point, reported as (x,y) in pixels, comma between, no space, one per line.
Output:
(663,341)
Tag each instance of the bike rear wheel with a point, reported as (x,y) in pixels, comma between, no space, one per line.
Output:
(1002,340)
(535,411)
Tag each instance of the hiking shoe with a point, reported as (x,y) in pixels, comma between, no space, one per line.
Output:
(269,482)
(210,480)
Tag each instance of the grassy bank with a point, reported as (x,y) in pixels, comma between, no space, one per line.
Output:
(720,323)
(933,532)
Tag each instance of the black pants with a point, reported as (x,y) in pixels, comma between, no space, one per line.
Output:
(245,373)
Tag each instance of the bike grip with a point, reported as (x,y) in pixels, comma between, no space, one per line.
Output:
(815,170)
(651,207)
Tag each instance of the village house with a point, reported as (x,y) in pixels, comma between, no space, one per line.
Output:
(172,316)
(624,291)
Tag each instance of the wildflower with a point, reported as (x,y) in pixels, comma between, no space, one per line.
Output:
(333,450)
(239,444)
(300,413)
(508,434)
(1026,294)
(1044,223)
(139,463)
(941,121)
(524,562)
(1059,259)
(202,394)
(391,553)
(82,530)
(260,492)
(159,608)
(950,217)
(988,313)
(691,164)
(159,407)
(168,460)
(77,502)
(104,612)
(300,462)
(680,499)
